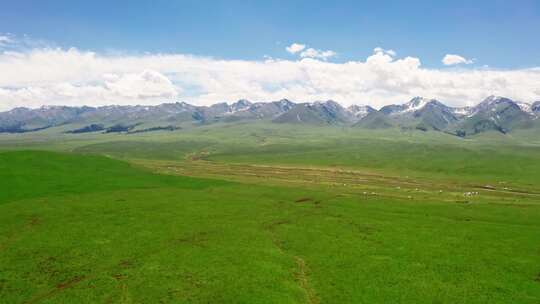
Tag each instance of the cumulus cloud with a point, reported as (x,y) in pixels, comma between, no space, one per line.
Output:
(47,76)
(452,59)
(384,51)
(319,54)
(295,48)
(304,52)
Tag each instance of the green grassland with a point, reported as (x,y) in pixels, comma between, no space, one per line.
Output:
(263,213)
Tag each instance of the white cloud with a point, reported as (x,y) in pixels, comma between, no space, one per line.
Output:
(301,50)
(319,54)
(451,59)
(147,84)
(47,76)
(295,48)
(391,53)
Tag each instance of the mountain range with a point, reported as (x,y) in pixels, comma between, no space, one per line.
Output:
(495,113)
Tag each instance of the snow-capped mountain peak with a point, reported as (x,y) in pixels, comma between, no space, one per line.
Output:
(360,111)
(285,104)
(412,106)
(492,102)
(416,104)
(240,105)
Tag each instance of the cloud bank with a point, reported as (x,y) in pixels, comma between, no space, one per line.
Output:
(56,76)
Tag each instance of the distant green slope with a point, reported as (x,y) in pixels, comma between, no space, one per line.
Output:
(375,120)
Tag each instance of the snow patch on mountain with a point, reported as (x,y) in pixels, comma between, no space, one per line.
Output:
(416,104)
(240,105)
(525,107)
(463,111)
(360,111)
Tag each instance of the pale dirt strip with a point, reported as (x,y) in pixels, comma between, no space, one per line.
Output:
(365,182)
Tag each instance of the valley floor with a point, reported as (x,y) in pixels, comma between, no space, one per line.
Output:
(269,215)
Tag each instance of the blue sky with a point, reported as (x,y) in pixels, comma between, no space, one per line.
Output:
(497,33)
(354,52)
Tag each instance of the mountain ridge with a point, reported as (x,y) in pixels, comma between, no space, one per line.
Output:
(494,113)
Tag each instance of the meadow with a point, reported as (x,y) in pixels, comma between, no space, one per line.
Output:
(266,213)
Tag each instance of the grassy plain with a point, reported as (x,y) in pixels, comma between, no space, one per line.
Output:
(261,213)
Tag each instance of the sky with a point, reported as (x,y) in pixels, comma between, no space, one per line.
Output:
(203,52)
